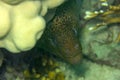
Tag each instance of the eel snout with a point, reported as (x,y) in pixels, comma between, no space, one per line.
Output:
(72,54)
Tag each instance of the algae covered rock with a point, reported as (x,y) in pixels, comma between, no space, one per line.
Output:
(100,36)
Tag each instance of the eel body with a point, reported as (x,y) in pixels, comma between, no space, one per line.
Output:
(61,34)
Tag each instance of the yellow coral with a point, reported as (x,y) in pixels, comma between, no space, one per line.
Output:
(51,75)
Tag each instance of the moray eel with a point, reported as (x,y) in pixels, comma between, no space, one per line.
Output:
(61,34)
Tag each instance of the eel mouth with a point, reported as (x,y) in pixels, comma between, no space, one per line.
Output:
(72,54)
(75,59)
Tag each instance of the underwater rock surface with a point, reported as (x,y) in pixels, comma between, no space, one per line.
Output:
(102,45)
(100,36)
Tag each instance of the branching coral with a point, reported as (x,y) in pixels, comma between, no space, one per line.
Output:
(22,22)
(108,16)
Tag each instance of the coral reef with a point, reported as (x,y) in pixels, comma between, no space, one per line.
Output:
(99,35)
(44,67)
(27,66)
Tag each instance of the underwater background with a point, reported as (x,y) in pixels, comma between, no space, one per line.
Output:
(81,42)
